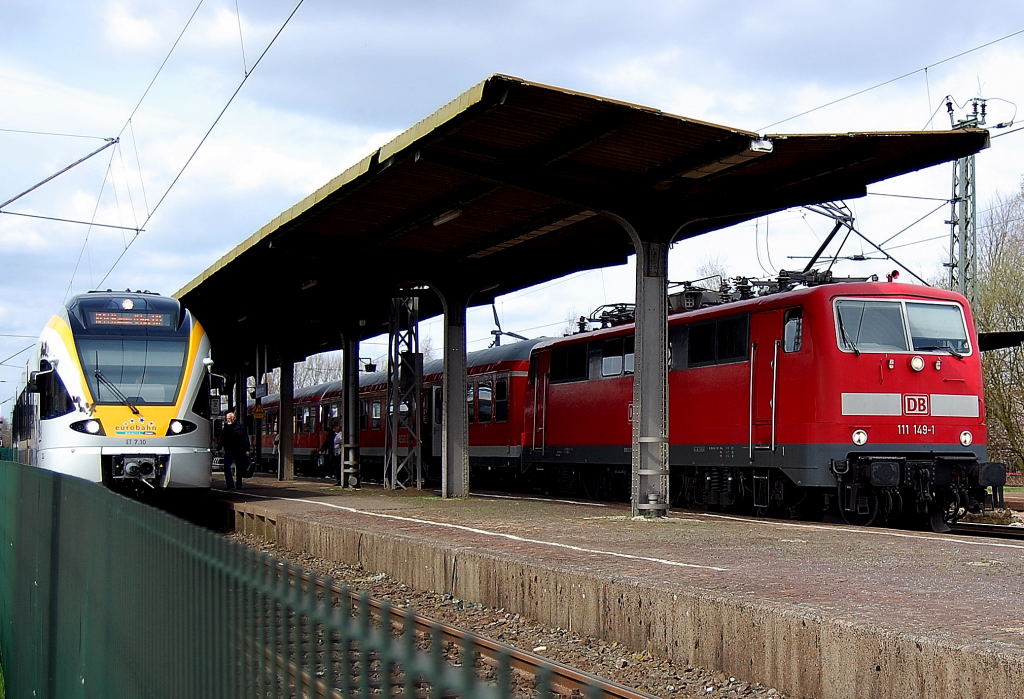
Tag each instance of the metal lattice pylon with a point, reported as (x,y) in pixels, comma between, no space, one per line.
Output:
(963,240)
(403,462)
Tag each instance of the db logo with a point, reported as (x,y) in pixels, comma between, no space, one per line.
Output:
(915,405)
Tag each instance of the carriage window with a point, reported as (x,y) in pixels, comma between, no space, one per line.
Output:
(870,326)
(569,363)
(628,354)
(375,415)
(793,330)
(364,414)
(501,400)
(470,402)
(937,327)
(485,402)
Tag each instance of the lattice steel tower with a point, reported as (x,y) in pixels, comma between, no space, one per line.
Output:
(963,241)
(403,462)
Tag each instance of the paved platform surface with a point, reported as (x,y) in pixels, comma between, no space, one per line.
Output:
(816,610)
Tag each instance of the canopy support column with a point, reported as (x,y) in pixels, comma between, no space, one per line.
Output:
(650,471)
(454,424)
(350,476)
(286,463)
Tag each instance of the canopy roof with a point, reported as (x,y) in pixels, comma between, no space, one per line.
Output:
(511,184)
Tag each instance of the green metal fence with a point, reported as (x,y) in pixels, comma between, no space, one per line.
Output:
(101,596)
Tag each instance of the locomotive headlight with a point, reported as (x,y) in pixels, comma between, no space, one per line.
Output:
(176,427)
(917,362)
(860,437)
(87,426)
(966,438)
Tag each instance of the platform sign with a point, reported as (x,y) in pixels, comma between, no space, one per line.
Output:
(260,391)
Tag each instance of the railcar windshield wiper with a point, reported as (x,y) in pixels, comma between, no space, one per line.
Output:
(941,348)
(112,387)
(842,332)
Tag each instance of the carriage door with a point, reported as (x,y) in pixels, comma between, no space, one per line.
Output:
(537,395)
(765,348)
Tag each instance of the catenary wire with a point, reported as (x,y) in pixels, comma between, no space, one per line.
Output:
(892,80)
(202,140)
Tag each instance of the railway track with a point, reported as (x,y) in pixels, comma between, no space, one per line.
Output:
(294,655)
(1002,531)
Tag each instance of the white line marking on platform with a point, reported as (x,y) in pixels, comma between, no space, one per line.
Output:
(523,497)
(512,537)
(864,530)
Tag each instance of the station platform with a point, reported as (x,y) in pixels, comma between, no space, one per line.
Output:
(814,610)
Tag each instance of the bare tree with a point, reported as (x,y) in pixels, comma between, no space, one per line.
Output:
(1000,307)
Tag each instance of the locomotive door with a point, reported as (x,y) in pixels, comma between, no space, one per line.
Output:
(538,398)
(765,349)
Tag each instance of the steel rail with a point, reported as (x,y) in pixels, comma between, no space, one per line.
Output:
(1002,531)
(564,679)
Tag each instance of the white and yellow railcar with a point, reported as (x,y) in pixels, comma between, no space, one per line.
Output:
(119,394)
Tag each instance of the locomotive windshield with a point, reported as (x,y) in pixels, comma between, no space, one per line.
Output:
(132,347)
(146,370)
(900,326)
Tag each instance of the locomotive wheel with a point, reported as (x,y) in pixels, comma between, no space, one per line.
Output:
(862,519)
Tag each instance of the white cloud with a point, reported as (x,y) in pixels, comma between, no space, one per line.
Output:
(127,29)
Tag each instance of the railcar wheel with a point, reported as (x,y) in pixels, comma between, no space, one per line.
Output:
(862,517)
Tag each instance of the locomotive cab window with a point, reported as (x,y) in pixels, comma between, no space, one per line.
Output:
(900,326)
(54,400)
(935,326)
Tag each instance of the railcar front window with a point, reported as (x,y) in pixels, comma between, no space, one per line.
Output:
(871,326)
(935,327)
(146,370)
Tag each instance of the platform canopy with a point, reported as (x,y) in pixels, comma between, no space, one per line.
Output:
(507,186)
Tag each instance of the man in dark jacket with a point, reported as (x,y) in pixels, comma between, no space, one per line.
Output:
(234,444)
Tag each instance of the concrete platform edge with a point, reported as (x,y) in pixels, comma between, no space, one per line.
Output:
(802,654)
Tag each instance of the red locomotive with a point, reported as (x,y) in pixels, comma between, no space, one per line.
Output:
(863,398)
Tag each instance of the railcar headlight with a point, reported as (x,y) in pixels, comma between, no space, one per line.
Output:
(966,438)
(177,427)
(917,362)
(860,437)
(88,427)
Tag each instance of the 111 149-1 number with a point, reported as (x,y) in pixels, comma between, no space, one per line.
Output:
(925,430)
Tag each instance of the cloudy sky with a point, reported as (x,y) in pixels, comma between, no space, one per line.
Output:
(342,78)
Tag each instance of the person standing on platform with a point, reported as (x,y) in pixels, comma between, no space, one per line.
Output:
(336,452)
(234,445)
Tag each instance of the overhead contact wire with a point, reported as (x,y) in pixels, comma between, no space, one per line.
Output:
(203,140)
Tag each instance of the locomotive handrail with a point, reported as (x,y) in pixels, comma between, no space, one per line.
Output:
(750,404)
